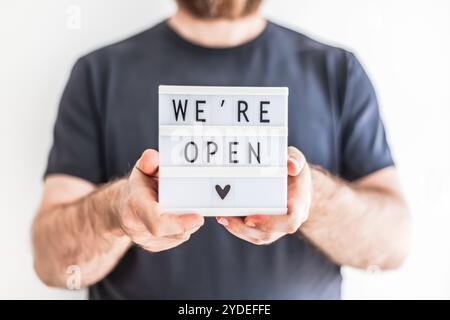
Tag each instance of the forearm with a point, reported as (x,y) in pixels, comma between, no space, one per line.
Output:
(84,233)
(357,226)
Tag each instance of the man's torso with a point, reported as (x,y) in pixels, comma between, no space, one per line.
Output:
(214,263)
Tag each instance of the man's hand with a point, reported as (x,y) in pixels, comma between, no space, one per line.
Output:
(140,216)
(263,229)
(80,224)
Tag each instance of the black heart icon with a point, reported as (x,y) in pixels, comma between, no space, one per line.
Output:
(222,192)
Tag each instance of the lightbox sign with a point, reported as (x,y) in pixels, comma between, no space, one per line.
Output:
(223,150)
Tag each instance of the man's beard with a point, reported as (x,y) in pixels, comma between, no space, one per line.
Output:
(219,9)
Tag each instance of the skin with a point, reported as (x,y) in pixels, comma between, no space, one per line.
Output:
(361,224)
(79,224)
(217,33)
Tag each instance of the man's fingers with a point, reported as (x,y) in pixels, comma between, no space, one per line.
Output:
(191,231)
(293,167)
(168,224)
(182,237)
(169,242)
(296,161)
(162,244)
(282,223)
(148,164)
(147,241)
(299,201)
(187,222)
(237,227)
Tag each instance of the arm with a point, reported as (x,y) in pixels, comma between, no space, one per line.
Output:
(69,231)
(358,224)
(78,224)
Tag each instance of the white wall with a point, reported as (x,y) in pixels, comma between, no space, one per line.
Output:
(405,46)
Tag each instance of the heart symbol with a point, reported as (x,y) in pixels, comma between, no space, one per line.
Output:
(222,192)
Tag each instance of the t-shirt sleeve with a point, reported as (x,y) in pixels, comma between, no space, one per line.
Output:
(77,138)
(365,148)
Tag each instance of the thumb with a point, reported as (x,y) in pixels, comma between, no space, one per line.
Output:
(296,161)
(148,164)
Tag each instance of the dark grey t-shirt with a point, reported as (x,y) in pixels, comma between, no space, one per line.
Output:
(109,114)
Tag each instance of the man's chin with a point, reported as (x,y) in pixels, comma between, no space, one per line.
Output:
(219,9)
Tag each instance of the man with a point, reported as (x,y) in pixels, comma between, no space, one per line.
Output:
(344,202)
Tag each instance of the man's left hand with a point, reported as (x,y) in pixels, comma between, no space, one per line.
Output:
(265,229)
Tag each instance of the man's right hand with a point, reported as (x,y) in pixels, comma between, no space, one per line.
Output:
(139,215)
(89,227)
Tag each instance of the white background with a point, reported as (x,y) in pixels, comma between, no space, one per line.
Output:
(404,44)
